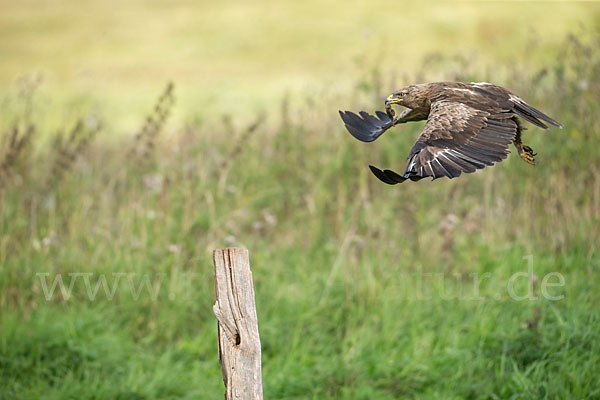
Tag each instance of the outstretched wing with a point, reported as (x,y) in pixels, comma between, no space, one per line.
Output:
(500,95)
(366,127)
(458,137)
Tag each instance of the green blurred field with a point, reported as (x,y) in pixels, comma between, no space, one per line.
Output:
(242,57)
(364,291)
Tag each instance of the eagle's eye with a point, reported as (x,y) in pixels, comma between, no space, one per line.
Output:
(402,94)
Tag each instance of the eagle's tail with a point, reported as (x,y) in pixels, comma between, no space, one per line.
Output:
(532,114)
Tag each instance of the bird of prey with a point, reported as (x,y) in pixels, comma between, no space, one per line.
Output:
(469,126)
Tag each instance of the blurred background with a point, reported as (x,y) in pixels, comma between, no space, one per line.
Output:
(241,57)
(136,137)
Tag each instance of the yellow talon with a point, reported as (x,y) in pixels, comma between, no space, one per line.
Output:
(529,150)
(528,158)
(527,154)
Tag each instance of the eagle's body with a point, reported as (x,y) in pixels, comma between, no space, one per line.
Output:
(469,126)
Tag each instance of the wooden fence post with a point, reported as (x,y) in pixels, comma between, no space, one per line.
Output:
(239,343)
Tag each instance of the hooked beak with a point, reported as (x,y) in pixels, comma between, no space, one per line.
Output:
(393,100)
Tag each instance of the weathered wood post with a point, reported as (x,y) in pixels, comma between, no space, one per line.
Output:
(239,343)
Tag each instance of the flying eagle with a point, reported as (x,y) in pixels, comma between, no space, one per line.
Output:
(469,126)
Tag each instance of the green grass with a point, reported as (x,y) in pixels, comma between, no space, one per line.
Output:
(244,56)
(363,291)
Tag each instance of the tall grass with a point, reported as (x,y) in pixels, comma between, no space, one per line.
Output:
(363,290)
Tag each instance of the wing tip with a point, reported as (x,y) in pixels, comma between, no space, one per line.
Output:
(387,176)
(363,126)
(380,175)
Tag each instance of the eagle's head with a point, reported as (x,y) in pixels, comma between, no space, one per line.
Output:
(409,96)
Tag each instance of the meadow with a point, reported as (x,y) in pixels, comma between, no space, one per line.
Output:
(363,291)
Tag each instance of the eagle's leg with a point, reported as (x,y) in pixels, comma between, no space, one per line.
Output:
(525,152)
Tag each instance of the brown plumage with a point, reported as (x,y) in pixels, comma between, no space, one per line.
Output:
(469,126)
